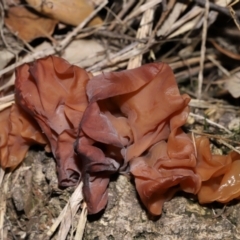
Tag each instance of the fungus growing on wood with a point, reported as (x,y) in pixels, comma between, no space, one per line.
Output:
(220,175)
(53,92)
(132,110)
(128,121)
(18,132)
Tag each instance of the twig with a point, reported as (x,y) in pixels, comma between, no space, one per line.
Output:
(221,139)
(142,8)
(210,122)
(116,35)
(229,145)
(215,7)
(181,76)
(7,98)
(162,19)
(224,51)
(5,105)
(2,172)
(203,50)
(65,216)
(128,5)
(115,57)
(215,62)
(144,31)
(59,48)
(181,63)
(212,104)
(81,223)
(3,194)
(233,13)
(194,143)
(2,14)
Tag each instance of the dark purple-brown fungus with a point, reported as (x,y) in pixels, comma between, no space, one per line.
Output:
(132,111)
(53,92)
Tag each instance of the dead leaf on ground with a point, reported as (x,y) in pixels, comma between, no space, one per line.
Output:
(27,25)
(70,12)
(233,85)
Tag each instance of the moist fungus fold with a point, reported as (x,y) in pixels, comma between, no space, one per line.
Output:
(53,92)
(128,121)
(17,133)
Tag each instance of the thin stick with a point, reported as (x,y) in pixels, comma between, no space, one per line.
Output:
(142,9)
(81,223)
(215,62)
(212,104)
(128,5)
(2,172)
(220,139)
(233,13)
(70,209)
(194,143)
(53,50)
(144,31)
(216,7)
(203,50)
(210,122)
(229,145)
(3,202)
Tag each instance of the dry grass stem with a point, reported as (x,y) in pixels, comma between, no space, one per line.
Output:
(233,13)
(229,146)
(173,15)
(67,214)
(133,33)
(144,31)
(144,7)
(3,199)
(221,68)
(203,50)
(179,25)
(9,83)
(209,121)
(81,223)
(125,9)
(212,104)
(185,62)
(2,172)
(221,139)
(124,54)
(53,50)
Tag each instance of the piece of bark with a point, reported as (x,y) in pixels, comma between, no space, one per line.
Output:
(182,218)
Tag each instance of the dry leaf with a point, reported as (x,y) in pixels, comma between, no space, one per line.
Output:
(17,133)
(233,85)
(70,12)
(27,25)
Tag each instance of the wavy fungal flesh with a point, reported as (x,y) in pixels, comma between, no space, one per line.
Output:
(128,121)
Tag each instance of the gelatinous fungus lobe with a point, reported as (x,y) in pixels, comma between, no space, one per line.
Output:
(17,133)
(106,129)
(168,165)
(219,174)
(119,121)
(129,112)
(53,92)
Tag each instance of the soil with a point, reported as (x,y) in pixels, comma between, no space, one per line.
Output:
(34,201)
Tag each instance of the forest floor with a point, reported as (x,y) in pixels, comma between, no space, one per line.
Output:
(198,39)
